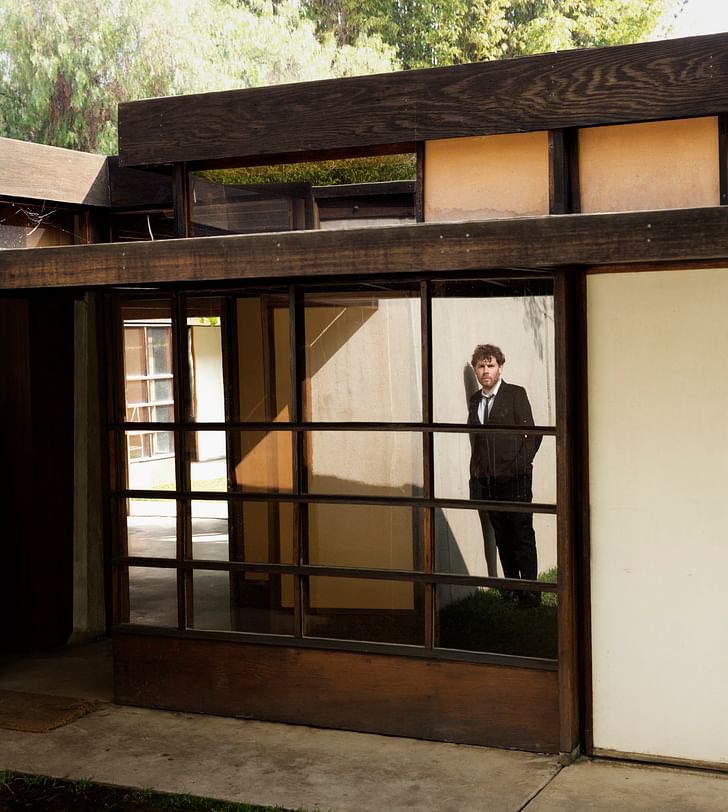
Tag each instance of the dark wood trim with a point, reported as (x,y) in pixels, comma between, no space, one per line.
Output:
(545,242)
(563,171)
(579,88)
(566,539)
(181,200)
(583,522)
(470,703)
(723,157)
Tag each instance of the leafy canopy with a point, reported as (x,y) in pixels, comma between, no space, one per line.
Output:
(66,64)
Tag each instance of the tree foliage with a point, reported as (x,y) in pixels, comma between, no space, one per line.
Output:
(455,31)
(65,64)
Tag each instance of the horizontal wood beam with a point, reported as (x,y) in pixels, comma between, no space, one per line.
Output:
(39,172)
(529,243)
(644,82)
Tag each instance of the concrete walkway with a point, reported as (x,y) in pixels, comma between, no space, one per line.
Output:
(301,767)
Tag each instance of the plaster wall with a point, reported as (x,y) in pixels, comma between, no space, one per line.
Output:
(487,177)
(658,464)
(658,165)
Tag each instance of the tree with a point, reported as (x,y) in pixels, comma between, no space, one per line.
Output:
(427,33)
(66,64)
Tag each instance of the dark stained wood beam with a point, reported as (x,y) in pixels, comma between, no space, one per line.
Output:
(644,82)
(530,242)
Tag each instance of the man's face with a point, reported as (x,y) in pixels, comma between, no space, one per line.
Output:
(488,372)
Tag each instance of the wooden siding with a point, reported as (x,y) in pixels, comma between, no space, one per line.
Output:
(539,242)
(39,172)
(581,88)
(468,703)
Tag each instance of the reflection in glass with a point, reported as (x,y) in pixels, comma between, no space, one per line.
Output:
(363,357)
(204,344)
(151,528)
(518,317)
(473,619)
(235,602)
(264,358)
(363,609)
(153,596)
(368,536)
(381,463)
(460,548)
(210,531)
(452,465)
(263,461)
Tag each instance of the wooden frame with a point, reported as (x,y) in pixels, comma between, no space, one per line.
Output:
(580,88)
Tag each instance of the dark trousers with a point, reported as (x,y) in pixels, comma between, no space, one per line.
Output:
(514,535)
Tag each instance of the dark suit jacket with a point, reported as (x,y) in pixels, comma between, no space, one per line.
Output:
(503,454)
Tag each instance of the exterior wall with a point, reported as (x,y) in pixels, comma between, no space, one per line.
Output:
(487,177)
(660,165)
(658,457)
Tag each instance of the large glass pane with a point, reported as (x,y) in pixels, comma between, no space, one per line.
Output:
(363,357)
(152,528)
(514,315)
(264,358)
(263,461)
(378,463)
(223,601)
(367,536)
(153,596)
(465,543)
(204,344)
(150,456)
(508,454)
(364,609)
(497,621)
(210,530)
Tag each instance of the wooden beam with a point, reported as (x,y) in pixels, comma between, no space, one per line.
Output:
(643,82)
(679,235)
(38,172)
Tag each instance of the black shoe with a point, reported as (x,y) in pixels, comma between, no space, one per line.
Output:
(529,600)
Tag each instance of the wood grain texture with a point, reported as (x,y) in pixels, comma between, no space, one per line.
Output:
(471,703)
(39,172)
(648,81)
(533,242)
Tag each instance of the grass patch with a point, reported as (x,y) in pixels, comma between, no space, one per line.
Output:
(483,621)
(21,791)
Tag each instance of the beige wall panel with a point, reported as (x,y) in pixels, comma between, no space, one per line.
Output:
(487,177)
(659,165)
(658,467)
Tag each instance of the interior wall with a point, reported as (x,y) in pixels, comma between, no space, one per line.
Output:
(658,465)
(487,177)
(658,165)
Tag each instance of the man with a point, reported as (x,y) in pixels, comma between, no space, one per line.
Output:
(501,466)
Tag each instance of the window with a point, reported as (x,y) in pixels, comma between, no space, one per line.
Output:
(320,484)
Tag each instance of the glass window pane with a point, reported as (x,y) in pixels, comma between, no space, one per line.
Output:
(204,339)
(152,528)
(156,470)
(210,530)
(240,602)
(515,315)
(492,620)
(263,461)
(208,460)
(368,536)
(379,463)
(135,356)
(264,358)
(159,350)
(153,596)
(365,609)
(465,544)
(363,357)
(161,390)
(136,395)
(263,532)
(458,457)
